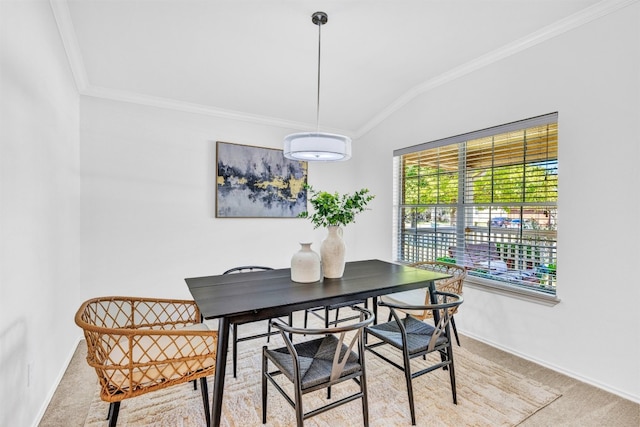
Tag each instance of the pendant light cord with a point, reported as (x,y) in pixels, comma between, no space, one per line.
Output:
(318,97)
(317,146)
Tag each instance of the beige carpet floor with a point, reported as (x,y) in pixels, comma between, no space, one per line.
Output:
(488,395)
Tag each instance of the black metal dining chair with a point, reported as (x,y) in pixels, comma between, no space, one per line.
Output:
(318,363)
(323,313)
(415,338)
(421,296)
(235,336)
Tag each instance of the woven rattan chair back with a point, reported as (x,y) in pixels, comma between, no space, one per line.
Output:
(452,284)
(140,345)
(335,356)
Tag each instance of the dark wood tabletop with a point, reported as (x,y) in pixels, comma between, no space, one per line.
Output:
(263,294)
(259,295)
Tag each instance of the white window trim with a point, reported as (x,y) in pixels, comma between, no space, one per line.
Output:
(484,284)
(496,287)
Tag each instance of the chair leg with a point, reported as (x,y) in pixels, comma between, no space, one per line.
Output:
(298,402)
(326,317)
(268,330)
(110,411)
(452,374)
(306,318)
(326,325)
(264,386)
(114,409)
(407,376)
(235,349)
(455,330)
(195,384)
(204,389)
(363,389)
(291,324)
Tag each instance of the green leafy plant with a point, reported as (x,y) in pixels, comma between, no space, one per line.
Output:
(335,209)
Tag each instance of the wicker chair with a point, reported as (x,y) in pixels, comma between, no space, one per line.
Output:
(318,363)
(416,338)
(421,296)
(140,345)
(236,338)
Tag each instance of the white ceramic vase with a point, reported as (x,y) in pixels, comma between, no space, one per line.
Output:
(305,265)
(332,251)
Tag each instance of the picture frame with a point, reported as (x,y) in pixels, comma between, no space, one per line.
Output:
(258,182)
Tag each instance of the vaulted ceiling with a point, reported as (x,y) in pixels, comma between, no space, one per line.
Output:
(256,60)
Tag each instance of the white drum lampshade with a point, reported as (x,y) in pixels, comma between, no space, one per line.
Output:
(317,146)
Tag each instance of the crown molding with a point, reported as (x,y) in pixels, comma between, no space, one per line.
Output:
(188,107)
(62,16)
(65,27)
(571,22)
(64,22)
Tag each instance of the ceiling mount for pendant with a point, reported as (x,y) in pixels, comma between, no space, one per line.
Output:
(317,146)
(319,18)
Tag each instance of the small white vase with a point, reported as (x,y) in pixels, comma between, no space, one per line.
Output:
(305,265)
(332,251)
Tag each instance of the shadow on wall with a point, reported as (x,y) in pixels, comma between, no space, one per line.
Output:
(14,374)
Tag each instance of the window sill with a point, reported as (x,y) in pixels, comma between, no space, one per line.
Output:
(496,287)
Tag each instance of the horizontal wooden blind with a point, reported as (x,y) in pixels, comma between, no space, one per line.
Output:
(486,200)
(516,166)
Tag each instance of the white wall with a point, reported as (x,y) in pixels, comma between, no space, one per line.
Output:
(145,220)
(148,208)
(591,76)
(39,210)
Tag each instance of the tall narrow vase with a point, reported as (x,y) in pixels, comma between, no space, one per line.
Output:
(305,265)
(332,252)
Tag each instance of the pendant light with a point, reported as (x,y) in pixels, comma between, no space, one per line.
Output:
(317,146)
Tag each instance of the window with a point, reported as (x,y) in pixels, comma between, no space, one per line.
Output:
(486,200)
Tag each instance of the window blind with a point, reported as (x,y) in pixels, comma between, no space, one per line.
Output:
(486,200)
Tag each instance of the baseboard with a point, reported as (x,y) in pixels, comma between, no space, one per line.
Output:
(55,385)
(556,368)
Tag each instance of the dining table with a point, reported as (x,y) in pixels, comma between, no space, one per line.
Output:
(259,295)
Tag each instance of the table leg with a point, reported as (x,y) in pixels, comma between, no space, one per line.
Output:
(434,300)
(221,367)
(375,310)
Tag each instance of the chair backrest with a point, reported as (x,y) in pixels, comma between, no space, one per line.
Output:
(246,268)
(350,335)
(447,303)
(137,345)
(453,284)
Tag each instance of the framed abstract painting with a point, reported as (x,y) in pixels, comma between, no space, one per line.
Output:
(257,182)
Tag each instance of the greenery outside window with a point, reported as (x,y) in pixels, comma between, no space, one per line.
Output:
(486,200)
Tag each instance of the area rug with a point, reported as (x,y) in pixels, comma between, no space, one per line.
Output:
(488,395)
